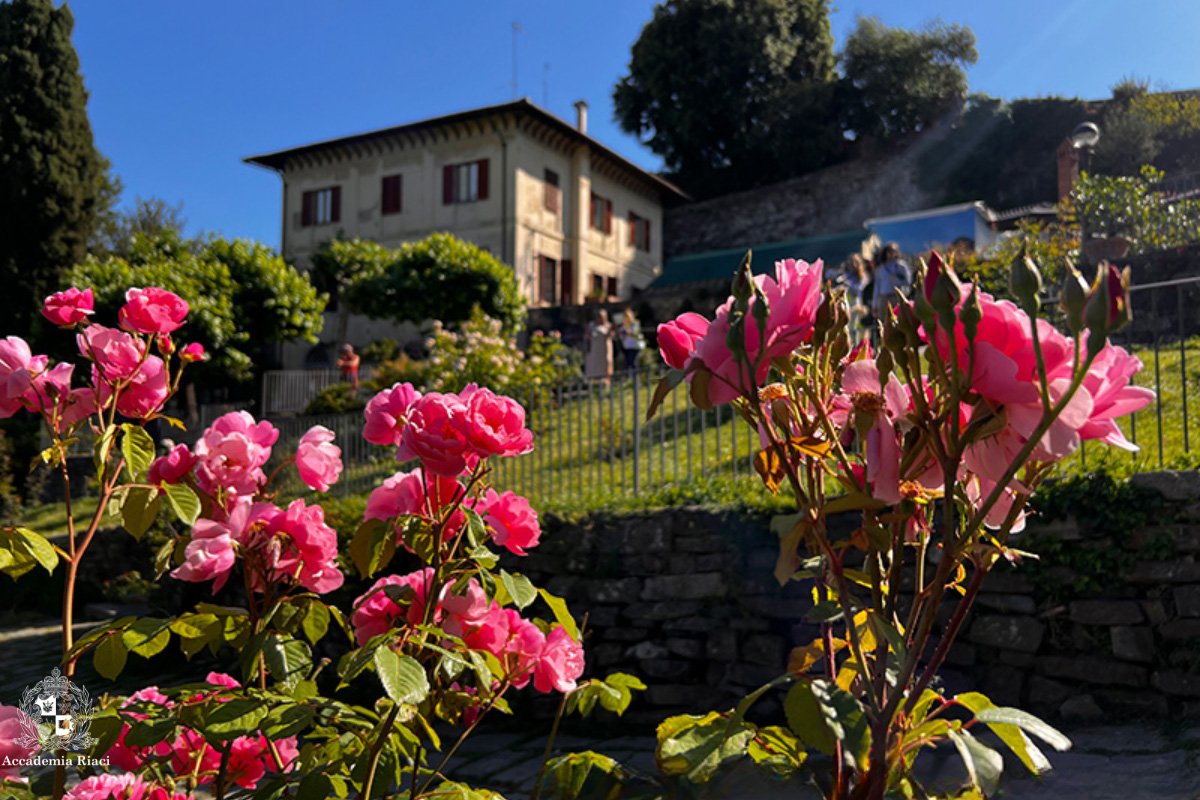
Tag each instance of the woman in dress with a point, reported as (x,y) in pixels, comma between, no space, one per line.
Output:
(597,348)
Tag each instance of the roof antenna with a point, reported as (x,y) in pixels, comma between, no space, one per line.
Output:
(516,28)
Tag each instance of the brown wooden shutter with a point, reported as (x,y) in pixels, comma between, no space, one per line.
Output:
(306,209)
(390,200)
(566,283)
(612,287)
(632,229)
(647,224)
(592,211)
(483,179)
(608,216)
(447,184)
(335,204)
(399,193)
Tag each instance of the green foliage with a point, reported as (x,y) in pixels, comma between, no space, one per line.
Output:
(899,82)
(242,294)
(720,88)
(441,277)
(1050,245)
(1132,207)
(51,176)
(148,217)
(340,398)
(1001,152)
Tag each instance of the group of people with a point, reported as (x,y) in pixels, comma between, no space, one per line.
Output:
(872,285)
(598,339)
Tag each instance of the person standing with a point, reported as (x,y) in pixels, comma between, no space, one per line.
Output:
(597,344)
(632,340)
(892,280)
(348,363)
(855,279)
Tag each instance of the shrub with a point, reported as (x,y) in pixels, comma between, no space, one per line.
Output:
(340,398)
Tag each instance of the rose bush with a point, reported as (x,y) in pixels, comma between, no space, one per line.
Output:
(446,642)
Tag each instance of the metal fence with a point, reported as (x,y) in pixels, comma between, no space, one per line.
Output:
(288,391)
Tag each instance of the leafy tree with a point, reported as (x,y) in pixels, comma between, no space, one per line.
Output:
(897,82)
(440,278)
(1140,127)
(719,87)
(51,175)
(337,263)
(243,296)
(1133,208)
(149,217)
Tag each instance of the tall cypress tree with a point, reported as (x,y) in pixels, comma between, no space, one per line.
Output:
(50,171)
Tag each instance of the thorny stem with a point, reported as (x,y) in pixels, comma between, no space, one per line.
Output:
(537,784)
(377,750)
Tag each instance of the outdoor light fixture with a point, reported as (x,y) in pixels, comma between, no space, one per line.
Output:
(1085,136)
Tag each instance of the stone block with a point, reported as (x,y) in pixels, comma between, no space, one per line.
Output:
(1006,581)
(1155,613)
(1180,630)
(567,586)
(661,610)
(689,625)
(722,645)
(1164,572)
(961,655)
(1172,484)
(670,695)
(748,624)
(669,668)
(602,616)
(626,633)
(1065,529)
(711,562)
(1126,704)
(643,564)
(1007,603)
(1087,669)
(1047,693)
(761,561)
(752,675)
(1014,658)
(646,536)
(684,587)
(606,654)
(701,544)
(1008,632)
(1177,684)
(1106,612)
(1004,684)
(645,650)
(764,649)
(687,648)
(1133,643)
(614,590)
(1187,600)
(1081,708)
(778,607)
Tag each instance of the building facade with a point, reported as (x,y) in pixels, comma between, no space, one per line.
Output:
(572,218)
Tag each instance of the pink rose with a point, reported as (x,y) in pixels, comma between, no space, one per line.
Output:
(516,642)
(17,368)
(405,493)
(129,758)
(67,308)
(513,521)
(115,353)
(463,612)
(232,453)
(120,787)
(387,414)
(172,467)
(311,559)
(677,338)
(1113,396)
(145,392)
(318,460)
(152,311)
(209,555)
(12,721)
(560,663)
(193,352)
(494,425)
(434,435)
(376,613)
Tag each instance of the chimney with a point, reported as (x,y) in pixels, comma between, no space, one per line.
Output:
(581,116)
(1068,168)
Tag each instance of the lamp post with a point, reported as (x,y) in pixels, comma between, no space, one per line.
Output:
(1084,139)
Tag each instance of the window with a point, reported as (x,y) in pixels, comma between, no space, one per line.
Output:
(547,280)
(612,287)
(597,285)
(465,183)
(553,194)
(639,232)
(321,206)
(390,190)
(601,214)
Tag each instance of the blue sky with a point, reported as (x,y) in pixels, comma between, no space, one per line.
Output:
(182,91)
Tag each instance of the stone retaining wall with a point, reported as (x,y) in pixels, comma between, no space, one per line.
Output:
(685,599)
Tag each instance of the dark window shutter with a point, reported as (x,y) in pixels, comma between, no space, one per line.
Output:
(566,283)
(592,211)
(335,204)
(447,184)
(632,229)
(399,193)
(483,179)
(608,216)
(390,199)
(612,287)
(647,224)
(306,209)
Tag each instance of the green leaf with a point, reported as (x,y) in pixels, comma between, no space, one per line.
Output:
(149,732)
(140,509)
(316,621)
(583,775)
(102,450)
(519,588)
(696,747)
(777,750)
(1027,722)
(403,677)
(983,764)
(288,660)
(561,614)
(110,656)
(286,720)
(805,718)
(234,718)
(372,547)
(826,611)
(315,786)
(138,448)
(477,534)
(22,549)
(147,637)
(184,502)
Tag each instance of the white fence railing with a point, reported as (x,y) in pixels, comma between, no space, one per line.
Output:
(288,391)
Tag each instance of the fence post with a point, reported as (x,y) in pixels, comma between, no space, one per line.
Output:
(637,434)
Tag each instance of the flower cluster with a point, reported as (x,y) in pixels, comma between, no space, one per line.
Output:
(292,545)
